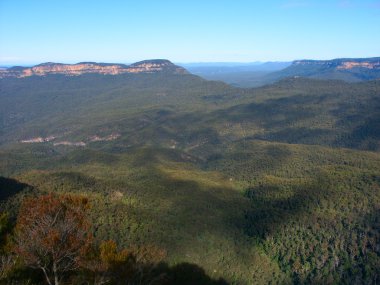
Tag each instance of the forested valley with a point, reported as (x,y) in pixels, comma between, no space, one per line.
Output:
(168,178)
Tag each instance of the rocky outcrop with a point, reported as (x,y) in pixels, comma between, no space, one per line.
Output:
(353,64)
(156,65)
(94,138)
(110,137)
(68,143)
(39,139)
(342,64)
(146,66)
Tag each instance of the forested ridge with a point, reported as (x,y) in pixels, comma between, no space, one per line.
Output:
(220,185)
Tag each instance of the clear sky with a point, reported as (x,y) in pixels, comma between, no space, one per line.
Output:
(34,31)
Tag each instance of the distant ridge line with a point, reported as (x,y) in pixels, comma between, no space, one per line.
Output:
(47,68)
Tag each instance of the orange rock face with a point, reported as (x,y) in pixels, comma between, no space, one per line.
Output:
(341,64)
(83,68)
(75,69)
(352,64)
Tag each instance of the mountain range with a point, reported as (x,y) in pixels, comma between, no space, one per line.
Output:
(274,184)
(351,70)
(259,74)
(146,66)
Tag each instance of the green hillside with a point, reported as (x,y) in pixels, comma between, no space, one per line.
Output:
(272,185)
(262,212)
(182,109)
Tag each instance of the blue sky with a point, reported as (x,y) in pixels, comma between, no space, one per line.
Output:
(34,31)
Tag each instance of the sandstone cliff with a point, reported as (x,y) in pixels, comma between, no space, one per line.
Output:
(146,66)
(342,64)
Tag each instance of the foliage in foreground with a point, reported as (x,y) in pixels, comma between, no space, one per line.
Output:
(51,243)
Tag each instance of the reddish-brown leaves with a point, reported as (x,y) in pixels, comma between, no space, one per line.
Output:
(52,233)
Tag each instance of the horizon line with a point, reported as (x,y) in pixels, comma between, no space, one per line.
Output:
(28,64)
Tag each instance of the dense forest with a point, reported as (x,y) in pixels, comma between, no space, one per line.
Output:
(177,180)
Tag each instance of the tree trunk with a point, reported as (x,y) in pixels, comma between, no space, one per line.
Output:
(56,280)
(46,276)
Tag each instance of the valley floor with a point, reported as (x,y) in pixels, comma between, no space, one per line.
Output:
(259,213)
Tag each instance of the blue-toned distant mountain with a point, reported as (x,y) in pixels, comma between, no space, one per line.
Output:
(214,68)
(238,74)
(256,74)
(346,69)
